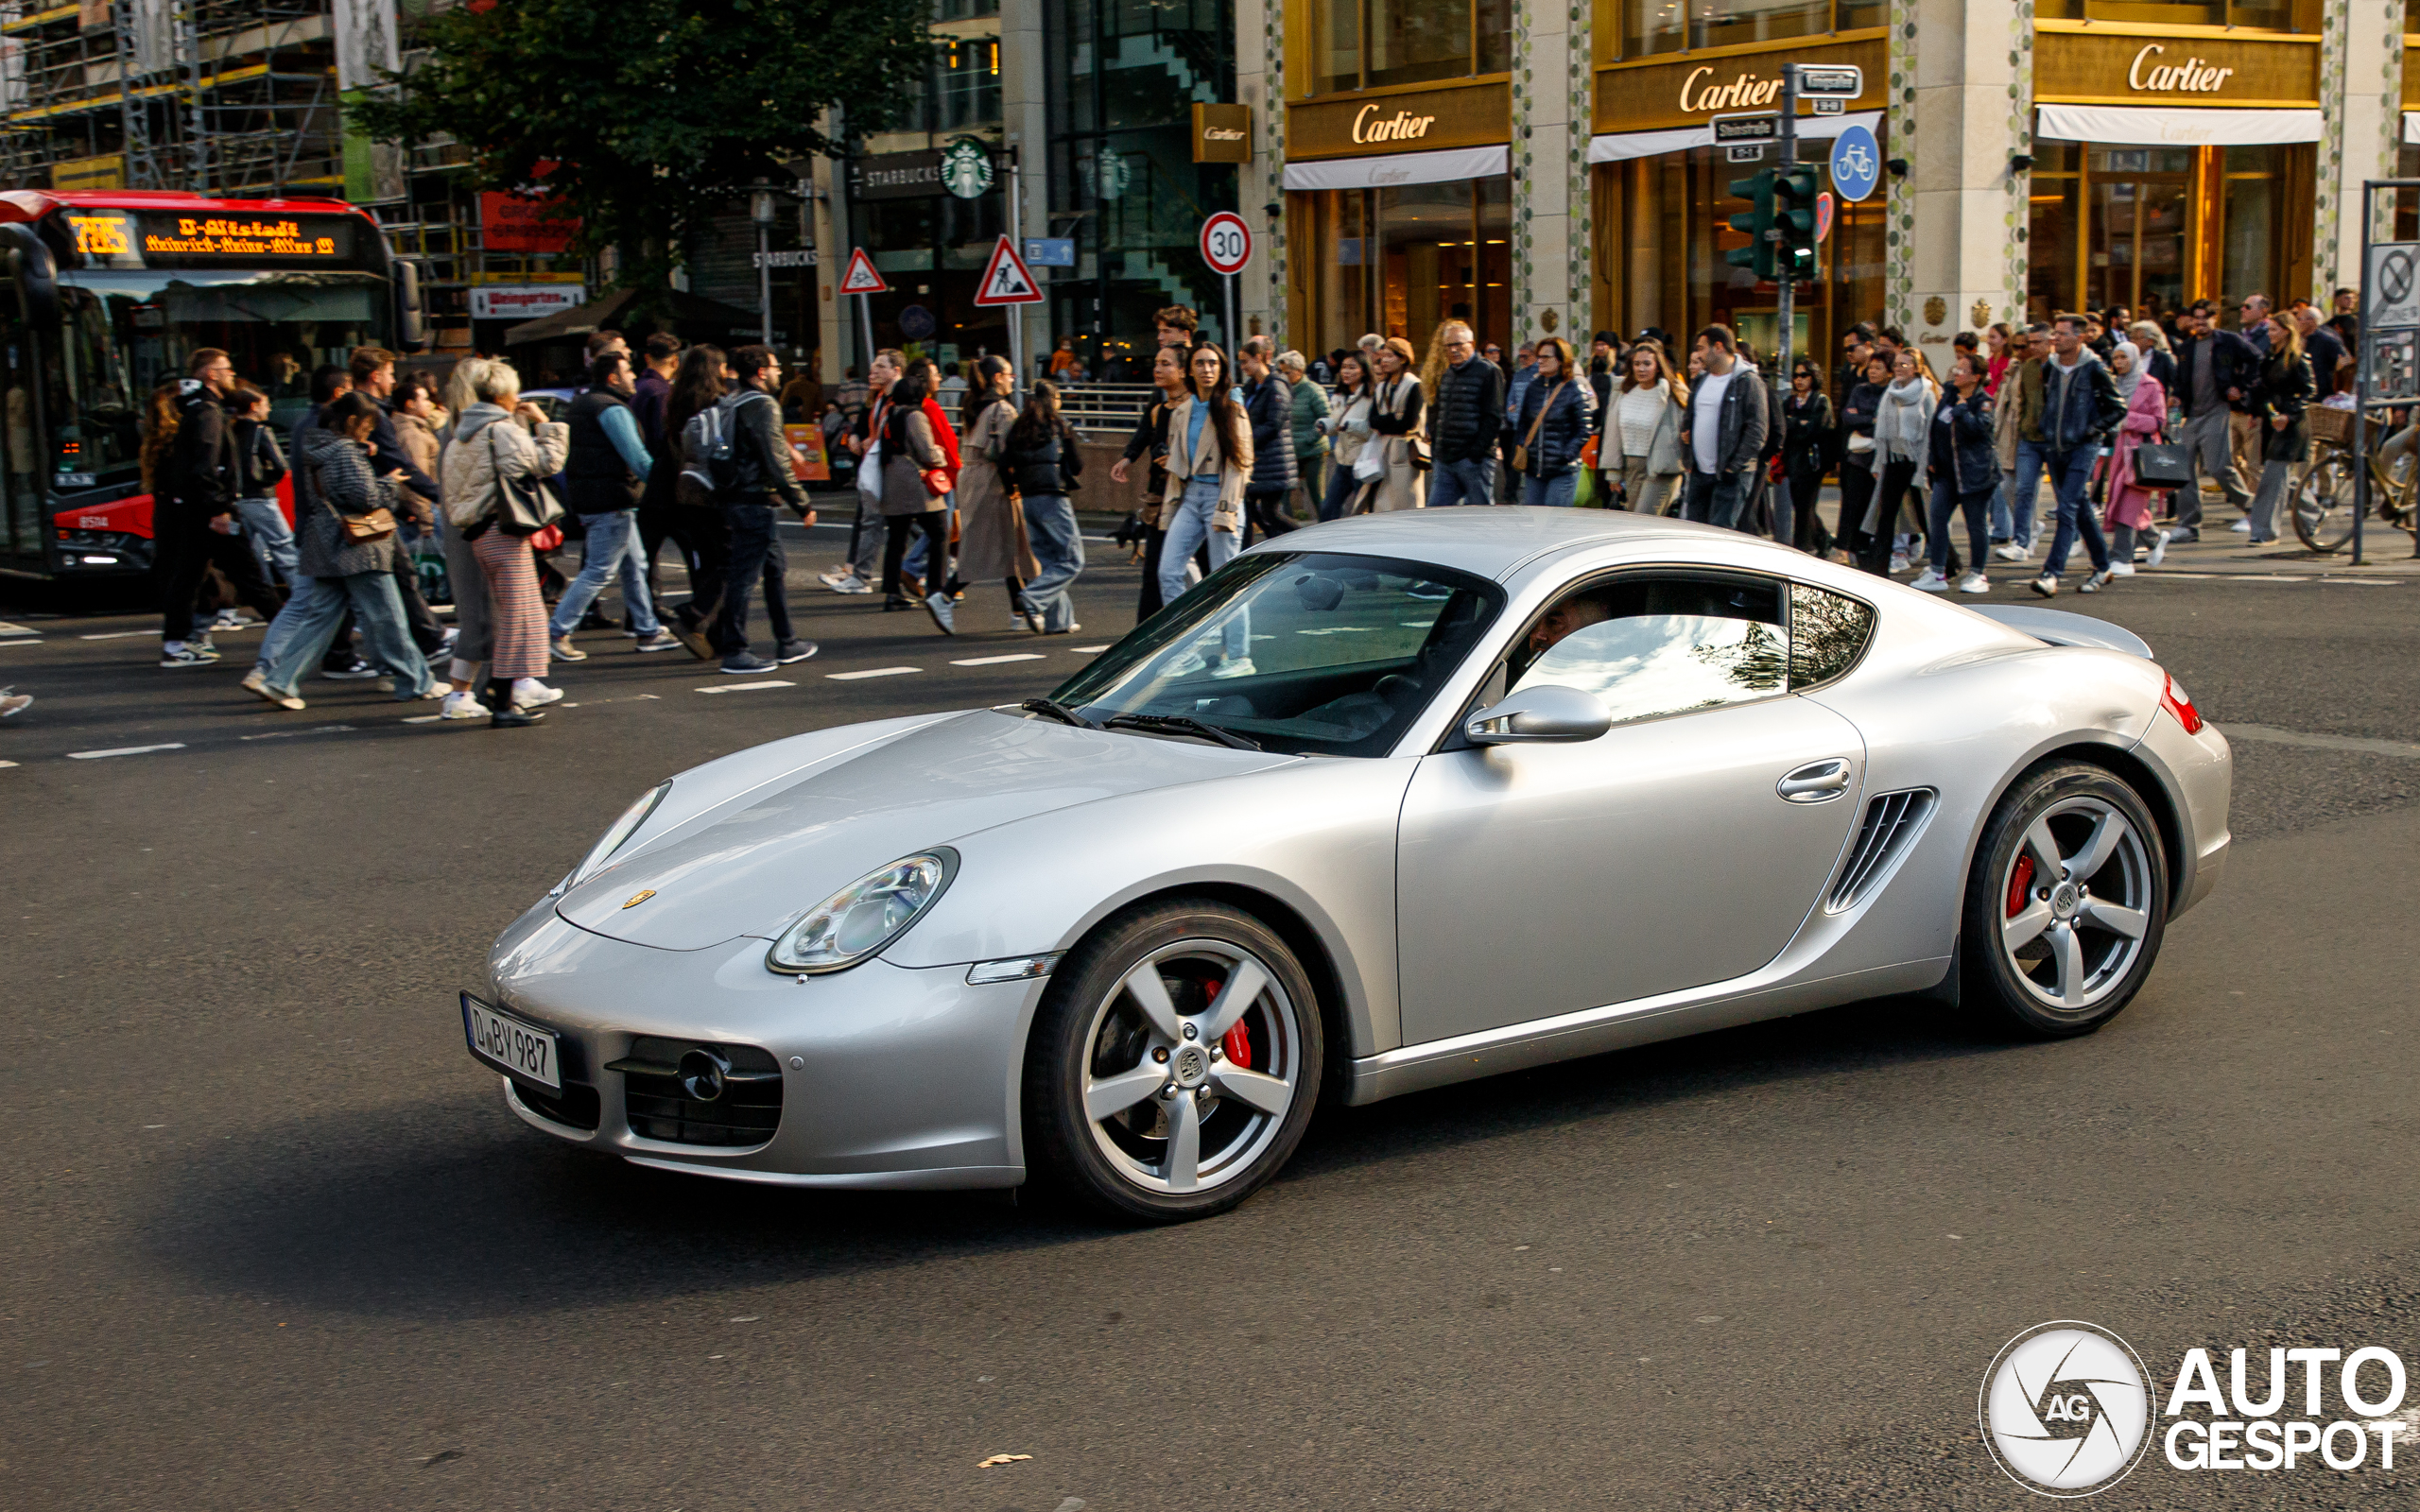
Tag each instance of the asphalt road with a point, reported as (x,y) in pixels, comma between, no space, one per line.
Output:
(272,1240)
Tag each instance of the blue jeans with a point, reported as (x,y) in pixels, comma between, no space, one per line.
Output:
(1556,492)
(1341,484)
(1470,482)
(272,539)
(2024,490)
(2071,480)
(612,542)
(1719,499)
(315,611)
(1189,527)
(1058,547)
(1948,501)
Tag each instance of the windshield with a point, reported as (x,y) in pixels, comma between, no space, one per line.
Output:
(1307,654)
(121,333)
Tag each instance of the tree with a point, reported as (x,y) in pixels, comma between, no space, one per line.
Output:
(644,115)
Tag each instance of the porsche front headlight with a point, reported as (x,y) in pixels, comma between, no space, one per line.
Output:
(616,835)
(866,916)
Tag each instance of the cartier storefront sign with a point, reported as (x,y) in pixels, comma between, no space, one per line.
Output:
(1688,89)
(1426,120)
(2102,67)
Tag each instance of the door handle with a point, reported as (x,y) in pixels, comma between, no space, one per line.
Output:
(1815,783)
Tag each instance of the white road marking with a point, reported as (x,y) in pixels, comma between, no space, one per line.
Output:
(7,764)
(872,672)
(2315,742)
(747,687)
(414,719)
(1087,650)
(2368,582)
(123,750)
(289,735)
(7,627)
(115,635)
(995,661)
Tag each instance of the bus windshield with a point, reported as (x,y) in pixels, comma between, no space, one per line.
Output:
(124,333)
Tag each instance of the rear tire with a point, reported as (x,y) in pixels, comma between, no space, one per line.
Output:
(2065,903)
(1174,1064)
(2321,501)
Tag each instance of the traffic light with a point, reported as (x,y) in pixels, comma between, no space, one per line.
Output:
(1758,223)
(1794,191)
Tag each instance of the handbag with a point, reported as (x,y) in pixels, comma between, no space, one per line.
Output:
(360,529)
(550,538)
(2164,465)
(1521,453)
(523,506)
(1369,465)
(1860,444)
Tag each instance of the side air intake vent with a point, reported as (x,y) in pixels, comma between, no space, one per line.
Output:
(1892,821)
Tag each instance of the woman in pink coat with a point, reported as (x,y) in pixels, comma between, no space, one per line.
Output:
(2131,506)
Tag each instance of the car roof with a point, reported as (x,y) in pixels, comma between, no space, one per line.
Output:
(1497,542)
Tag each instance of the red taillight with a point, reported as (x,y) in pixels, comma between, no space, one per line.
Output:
(2180,703)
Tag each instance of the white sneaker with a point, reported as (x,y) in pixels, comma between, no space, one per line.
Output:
(1931,583)
(939,606)
(228,620)
(2241,527)
(463,706)
(2097,581)
(1187,664)
(2159,548)
(851,585)
(2009,551)
(529,692)
(1235,667)
(1898,562)
(833,577)
(2122,568)
(1974,583)
(2046,585)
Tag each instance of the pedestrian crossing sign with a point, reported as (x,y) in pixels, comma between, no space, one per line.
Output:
(861,278)
(1006,279)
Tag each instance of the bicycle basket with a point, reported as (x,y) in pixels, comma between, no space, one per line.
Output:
(2332,426)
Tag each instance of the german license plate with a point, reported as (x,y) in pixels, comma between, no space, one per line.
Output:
(511,1045)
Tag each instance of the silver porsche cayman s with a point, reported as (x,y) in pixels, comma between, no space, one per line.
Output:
(1382,804)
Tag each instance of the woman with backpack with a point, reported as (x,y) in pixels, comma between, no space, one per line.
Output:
(698,384)
(260,466)
(1042,461)
(991,538)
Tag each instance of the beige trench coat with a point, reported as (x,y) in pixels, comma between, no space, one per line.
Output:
(991,525)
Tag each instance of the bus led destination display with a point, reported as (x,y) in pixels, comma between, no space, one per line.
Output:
(165,237)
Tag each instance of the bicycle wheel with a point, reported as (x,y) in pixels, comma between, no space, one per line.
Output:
(2321,500)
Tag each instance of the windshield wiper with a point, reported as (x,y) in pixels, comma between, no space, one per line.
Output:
(1058,711)
(1179,725)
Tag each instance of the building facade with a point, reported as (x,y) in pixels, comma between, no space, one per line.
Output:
(1548,167)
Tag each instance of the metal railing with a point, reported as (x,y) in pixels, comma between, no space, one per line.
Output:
(1103,409)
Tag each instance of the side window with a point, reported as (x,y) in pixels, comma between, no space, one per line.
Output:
(1827,633)
(1652,646)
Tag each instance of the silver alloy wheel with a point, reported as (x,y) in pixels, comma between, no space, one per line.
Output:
(2081,881)
(1166,1106)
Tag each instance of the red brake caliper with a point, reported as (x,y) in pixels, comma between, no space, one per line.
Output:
(1238,1044)
(2018,881)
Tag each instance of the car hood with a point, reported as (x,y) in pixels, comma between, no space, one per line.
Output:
(756,862)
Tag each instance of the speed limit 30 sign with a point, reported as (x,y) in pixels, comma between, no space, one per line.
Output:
(1226,243)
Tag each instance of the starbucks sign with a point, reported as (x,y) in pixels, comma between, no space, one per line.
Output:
(966,167)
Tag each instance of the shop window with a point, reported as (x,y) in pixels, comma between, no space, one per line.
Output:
(1369,43)
(1652,26)
(2266,15)
(1400,261)
(966,86)
(2252,206)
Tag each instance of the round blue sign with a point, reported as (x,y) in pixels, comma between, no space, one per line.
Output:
(917,324)
(1857,164)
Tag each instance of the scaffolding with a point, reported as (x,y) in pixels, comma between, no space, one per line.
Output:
(226,97)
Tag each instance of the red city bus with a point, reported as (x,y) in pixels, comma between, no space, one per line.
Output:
(113,290)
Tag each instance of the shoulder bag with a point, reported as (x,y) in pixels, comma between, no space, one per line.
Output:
(1521,453)
(360,529)
(522,506)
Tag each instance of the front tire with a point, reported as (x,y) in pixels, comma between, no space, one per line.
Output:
(1174,1064)
(2067,902)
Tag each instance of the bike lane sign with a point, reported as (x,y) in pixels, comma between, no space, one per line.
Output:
(1857,164)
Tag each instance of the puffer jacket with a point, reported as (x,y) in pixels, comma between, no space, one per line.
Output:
(1959,445)
(469,469)
(1269,403)
(1310,408)
(1463,421)
(343,484)
(1565,430)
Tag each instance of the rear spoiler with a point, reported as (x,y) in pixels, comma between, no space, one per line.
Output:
(2060,627)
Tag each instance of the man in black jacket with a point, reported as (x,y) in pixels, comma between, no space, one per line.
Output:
(608,465)
(1268,404)
(760,456)
(2215,369)
(1465,416)
(2080,412)
(194,516)
(1723,437)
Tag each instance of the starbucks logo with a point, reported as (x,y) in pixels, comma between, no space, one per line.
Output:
(966,167)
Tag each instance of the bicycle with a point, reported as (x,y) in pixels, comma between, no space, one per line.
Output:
(2324,492)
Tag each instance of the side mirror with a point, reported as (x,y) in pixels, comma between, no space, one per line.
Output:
(1541,715)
